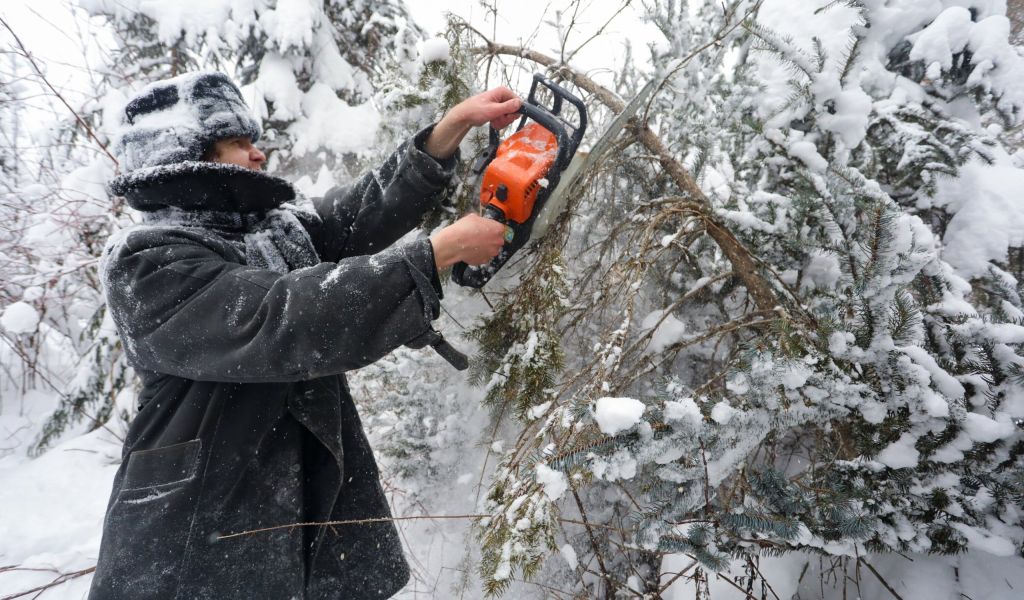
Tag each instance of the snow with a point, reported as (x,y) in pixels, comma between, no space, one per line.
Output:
(32,293)
(738,384)
(988,218)
(291,24)
(979,540)
(182,17)
(915,577)
(946,35)
(852,112)
(822,271)
(722,412)
(276,83)
(504,568)
(614,415)
(808,154)
(20,317)
(324,181)
(685,410)
(985,430)
(943,381)
(621,465)
(553,482)
(985,222)
(667,330)
(536,412)
(569,554)
(900,454)
(52,509)
(329,122)
(434,50)
(331,68)
(996,63)
(795,376)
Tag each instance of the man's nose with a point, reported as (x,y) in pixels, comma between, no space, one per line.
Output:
(256,155)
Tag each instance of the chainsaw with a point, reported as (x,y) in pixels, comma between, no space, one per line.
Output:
(518,174)
(526,179)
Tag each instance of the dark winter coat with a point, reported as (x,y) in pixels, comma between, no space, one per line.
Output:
(245,416)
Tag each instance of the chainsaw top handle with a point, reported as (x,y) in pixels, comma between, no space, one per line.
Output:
(558,94)
(550,119)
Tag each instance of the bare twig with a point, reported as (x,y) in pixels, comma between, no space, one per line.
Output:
(46,82)
(664,586)
(62,578)
(879,577)
(347,522)
(599,31)
(594,545)
(735,585)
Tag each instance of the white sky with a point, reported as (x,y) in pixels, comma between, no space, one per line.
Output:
(64,47)
(50,31)
(518,22)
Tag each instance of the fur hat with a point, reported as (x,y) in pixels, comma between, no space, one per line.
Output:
(179,119)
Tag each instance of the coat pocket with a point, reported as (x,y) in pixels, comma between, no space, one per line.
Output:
(162,467)
(146,531)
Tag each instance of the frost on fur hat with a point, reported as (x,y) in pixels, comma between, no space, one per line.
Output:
(179,119)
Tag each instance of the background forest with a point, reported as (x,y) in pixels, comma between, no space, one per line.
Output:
(773,349)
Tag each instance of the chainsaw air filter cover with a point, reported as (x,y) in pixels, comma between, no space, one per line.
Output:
(518,172)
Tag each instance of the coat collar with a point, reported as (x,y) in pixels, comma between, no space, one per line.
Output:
(193,185)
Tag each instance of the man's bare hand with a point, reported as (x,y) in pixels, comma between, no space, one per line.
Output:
(496,106)
(472,239)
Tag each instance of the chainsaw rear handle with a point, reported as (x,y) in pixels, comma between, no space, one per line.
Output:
(476,276)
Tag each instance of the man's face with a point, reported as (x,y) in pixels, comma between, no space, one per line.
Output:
(238,151)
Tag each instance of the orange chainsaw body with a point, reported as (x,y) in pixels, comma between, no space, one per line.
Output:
(513,179)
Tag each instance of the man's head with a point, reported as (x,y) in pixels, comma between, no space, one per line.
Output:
(192,117)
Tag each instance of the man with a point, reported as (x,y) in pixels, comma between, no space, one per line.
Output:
(241,308)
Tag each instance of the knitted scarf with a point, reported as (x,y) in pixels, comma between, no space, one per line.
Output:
(273,239)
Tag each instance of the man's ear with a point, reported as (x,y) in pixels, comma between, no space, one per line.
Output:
(210,152)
